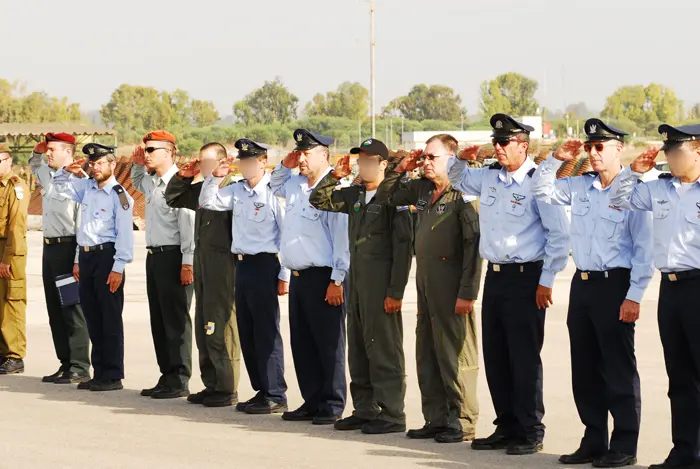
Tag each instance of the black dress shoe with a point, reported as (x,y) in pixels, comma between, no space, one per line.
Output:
(521,448)
(148,392)
(266,407)
(52,378)
(198,398)
(350,423)
(299,415)
(325,418)
(12,366)
(676,463)
(615,459)
(493,442)
(580,456)
(106,385)
(166,392)
(382,427)
(85,385)
(452,435)
(425,433)
(69,377)
(219,399)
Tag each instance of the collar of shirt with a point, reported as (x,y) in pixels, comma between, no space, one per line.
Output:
(599,185)
(111,182)
(167,176)
(304,183)
(519,175)
(260,187)
(677,182)
(7,178)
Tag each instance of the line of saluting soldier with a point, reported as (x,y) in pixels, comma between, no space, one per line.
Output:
(349,248)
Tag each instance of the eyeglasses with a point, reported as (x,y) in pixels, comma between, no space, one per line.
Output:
(587,147)
(502,141)
(150,150)
(5,159)
(429,157)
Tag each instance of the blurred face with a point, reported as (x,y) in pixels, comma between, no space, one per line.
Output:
(509,152)
(436,157)
(5,164)
(208,161)
(682,159)
(102,169)
(313,161)
(252,168)
(158,154)
(59,154)
(604,155)
(371,167)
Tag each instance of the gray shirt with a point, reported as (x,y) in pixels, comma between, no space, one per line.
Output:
(165,226)
(60,216)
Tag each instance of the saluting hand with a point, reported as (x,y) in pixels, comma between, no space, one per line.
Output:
(410,162)
(223,168)
(334,295)
(41,148)
(291,161)
(76,272)
(5,271)
(469,153)
(629,311)
(76,166)
(114,281)
(646,161)
(392,305)
(282,288)
(463,307)
(543,297)
(186,275)
(342,168)
(189,170)
(138,156)
(569,150)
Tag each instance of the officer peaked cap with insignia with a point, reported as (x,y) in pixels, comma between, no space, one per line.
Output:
(95,151)
(599,131)
(676,135)
(249,149)
(307,140)
(372,146)
(505,126)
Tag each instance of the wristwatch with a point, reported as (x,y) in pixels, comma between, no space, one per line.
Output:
(338,283)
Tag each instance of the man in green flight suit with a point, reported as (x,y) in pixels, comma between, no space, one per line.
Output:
(447,280)
(215,329)
(380,262)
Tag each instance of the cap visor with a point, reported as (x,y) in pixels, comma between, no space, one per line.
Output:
(355,151)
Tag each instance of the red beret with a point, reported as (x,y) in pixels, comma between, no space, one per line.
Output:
(62,137)
(160,135)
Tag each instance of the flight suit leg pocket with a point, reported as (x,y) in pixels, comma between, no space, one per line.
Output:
(16,290)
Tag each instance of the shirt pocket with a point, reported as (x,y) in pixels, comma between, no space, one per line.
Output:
(257,214)
(611,222)
(516,209)
(661,211)
(692,215)
(488,200)
(310,213)
(58,197)
(237,206)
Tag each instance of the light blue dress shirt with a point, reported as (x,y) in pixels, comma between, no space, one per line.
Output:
(515,227)
(103,219)
(310,237)
(603,235)
(165,226)
(676,217)
(257,215)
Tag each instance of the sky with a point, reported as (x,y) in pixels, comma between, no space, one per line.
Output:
(578,50)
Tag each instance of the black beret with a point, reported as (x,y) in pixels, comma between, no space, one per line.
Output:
(599,131)
(95,150)
(505,126)
(306,140)
(248,148)
(675,135)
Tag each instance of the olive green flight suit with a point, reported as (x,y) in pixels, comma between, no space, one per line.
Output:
(216,331)
(449,267)
(380,262)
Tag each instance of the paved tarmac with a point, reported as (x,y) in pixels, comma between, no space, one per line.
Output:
(47,425)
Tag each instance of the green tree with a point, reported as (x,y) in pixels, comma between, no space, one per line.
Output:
(271,103)
(646,106)
(510,93)
(16,106)
(203,113)
(693,112)
(350,100)
(436,102)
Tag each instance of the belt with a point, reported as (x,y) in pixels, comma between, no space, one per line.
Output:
(297,273)
(678,276)
(59,240)
(601,274)
(155,249)
(97,247)
(516,268)
(242,257)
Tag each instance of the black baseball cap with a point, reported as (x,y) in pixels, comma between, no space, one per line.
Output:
(372,146)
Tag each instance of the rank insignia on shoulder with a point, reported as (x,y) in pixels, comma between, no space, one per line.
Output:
(495,165)
(122,196)
(19,192)
(531,172)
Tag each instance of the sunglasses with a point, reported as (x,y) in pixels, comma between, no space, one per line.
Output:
(587,147)
(502,141)
(150,150)
(429,157)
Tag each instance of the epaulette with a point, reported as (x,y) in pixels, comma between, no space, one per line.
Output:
(495,165)
(665,176)
(590,173)
(14,179)
(122,196)
(531,172)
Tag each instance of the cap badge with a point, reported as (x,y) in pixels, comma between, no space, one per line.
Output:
(91,150)
(593,129)
(499,124)
(367,142)
(664,136)
(300,137)
(244,147)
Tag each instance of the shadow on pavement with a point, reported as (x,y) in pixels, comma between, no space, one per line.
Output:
(426,452)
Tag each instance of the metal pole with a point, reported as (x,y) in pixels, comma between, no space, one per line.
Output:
(391,133)
(386,133)
(359,132)
(371,47)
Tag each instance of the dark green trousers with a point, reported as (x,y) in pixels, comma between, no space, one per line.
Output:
(171,326)
(68,327)
(447,354)
(375,345)
(215,328)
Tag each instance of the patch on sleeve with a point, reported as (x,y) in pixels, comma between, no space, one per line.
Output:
(210,328)
(19,192)
(402,208)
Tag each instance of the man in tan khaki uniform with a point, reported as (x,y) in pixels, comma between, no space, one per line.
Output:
(14,203)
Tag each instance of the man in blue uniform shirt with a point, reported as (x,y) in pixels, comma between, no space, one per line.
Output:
(674,200)
(314,246)
(526,243)
(612,249)
(256,232)
(106,243)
